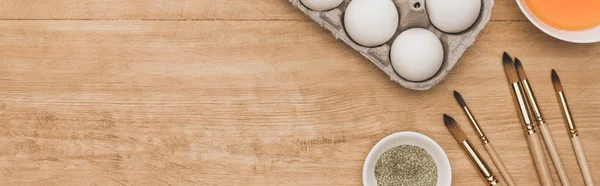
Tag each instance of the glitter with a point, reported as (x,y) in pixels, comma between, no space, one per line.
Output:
(406,165)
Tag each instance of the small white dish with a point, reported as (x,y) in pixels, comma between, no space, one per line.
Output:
(583,36)
(408,138)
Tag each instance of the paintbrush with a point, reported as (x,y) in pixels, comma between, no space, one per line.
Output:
(535,146)
(461,138)
(486,143)
(537,113)
(562,99)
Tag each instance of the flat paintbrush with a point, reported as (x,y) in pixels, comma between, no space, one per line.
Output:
(564,105)
(461,138)
(486,143)
(537,113)
(535,146)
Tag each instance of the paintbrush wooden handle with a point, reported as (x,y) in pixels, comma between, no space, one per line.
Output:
(535,146)
(562,174)
(496,159)
(585,170)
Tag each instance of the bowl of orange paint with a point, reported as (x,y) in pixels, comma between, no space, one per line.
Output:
(576,21)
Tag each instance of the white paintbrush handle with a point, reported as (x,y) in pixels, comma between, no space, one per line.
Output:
(585,170)
(498,162)
(562,174)
(535,146)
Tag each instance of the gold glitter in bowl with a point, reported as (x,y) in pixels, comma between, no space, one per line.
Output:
(400,143)
(406,165)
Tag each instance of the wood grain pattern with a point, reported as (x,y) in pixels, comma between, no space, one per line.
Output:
(251,93)
(238,10)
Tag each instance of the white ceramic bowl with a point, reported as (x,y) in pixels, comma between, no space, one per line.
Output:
(584,36)
(408,138)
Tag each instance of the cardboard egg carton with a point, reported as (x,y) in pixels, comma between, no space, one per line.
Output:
(412,15)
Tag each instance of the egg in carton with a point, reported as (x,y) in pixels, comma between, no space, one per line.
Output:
(411,14)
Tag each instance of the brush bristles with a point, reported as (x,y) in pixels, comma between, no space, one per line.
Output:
(556,81)
(509,68)
(459,99)
(520,70)
(454,129)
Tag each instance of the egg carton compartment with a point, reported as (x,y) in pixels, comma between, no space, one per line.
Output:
(412,14)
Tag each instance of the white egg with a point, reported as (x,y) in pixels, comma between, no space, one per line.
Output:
(453,16)
(371,22)
(321,5)
(417,54)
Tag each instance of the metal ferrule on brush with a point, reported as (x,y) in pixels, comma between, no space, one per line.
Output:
(476,125)
(483,168)
(523,108)
(533,102)
(570,123)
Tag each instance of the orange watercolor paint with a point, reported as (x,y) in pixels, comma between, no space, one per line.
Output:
(571,15)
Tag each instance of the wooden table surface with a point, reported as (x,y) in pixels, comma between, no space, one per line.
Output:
(239,92)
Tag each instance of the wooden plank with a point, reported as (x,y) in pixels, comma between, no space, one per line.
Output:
(255,103)
(169,9)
